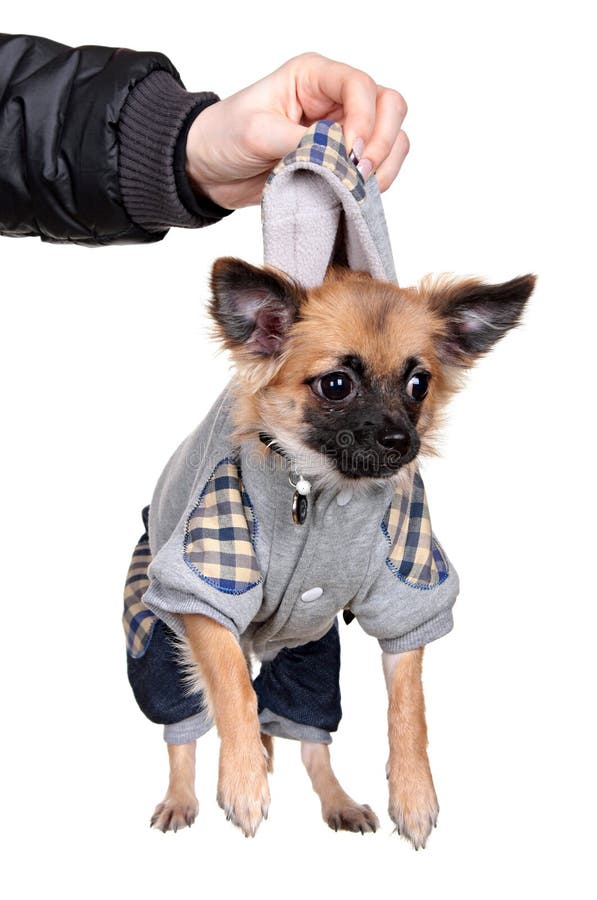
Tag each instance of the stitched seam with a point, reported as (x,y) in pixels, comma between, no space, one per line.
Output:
(420,587)
(132,631)
(146,641)
(223,590)
(244,496)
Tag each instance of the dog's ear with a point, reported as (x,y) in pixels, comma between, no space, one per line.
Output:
(253,308)
(477,315)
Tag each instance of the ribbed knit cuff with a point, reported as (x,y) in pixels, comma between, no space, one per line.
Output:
(279,726)
(156,195)
(187,730)
(418,637)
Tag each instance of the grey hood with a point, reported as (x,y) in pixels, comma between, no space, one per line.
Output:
(317,209)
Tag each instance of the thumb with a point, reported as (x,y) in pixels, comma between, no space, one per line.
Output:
(277,136)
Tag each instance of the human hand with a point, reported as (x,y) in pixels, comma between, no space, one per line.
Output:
(233,145)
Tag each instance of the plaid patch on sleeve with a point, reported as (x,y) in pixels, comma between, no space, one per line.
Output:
(137,619)
(221,530)
(415,556)
(323,144)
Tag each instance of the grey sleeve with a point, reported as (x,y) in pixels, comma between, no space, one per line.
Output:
(403,616)
(202,532)
(176,587)
(171,593)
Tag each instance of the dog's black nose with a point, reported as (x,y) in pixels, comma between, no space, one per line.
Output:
(397,441)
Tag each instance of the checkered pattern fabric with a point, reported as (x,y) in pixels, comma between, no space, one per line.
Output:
(323,144)
(138,621)
(415,556)
(221,532)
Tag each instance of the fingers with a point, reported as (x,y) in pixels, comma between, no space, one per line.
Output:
(380,147)
(371,115)
(323,85)
(270,136)
(237,194)
(390,167)
(358,96)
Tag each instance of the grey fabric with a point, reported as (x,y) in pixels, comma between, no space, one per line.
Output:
(279,726)
(301,215)
(188,729)
(341,549)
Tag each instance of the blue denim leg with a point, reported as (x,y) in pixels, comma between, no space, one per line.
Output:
(156,681)
(303,683)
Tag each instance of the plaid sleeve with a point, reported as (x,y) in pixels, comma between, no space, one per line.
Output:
(209,565)
(410,601)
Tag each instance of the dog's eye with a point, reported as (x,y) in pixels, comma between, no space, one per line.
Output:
(335,386)
(418,385)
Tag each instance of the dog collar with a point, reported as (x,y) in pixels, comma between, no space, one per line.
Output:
(302,487)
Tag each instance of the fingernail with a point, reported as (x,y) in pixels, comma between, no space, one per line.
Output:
(357,150)
(365,167)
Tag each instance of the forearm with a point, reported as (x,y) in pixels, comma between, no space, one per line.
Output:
(413,803)
(225,677)
(407,728)
(88,140)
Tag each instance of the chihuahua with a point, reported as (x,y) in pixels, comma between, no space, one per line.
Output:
(337,391)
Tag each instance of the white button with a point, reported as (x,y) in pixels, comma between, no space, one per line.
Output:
(313,594)
(344,497)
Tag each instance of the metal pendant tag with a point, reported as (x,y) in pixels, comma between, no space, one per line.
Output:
(300,508)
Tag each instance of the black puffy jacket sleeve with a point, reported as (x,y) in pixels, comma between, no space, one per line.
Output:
(92,144)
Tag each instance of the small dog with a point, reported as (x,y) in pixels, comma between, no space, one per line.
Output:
(345,384)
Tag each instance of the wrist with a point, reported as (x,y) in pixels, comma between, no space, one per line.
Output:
(201,140)
(190,177)
(152,180)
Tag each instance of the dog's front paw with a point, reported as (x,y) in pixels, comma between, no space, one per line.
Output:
(413,804)
(346,815)
(243,791)
(174,812)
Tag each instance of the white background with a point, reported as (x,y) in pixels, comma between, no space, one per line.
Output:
(106,365)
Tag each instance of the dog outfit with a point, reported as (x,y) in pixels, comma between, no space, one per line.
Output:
(222,540)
